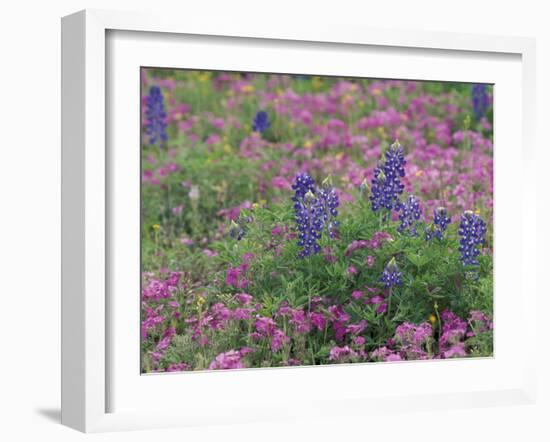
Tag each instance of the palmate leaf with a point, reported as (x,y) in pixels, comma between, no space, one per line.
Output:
(419,260)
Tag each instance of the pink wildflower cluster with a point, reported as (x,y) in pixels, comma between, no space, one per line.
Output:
(413,339)
(230,359)
(236,276)
(267,328)
(374,243)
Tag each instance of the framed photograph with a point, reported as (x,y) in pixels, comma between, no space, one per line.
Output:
(291,223)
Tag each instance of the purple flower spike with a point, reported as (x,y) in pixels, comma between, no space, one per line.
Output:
(472,234)
(260,122)
(391,275)
(155,115)
(386,183)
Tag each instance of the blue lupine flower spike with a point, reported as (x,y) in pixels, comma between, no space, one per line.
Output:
(472,232)
(391,276)
(386,183)
(155,115)
(480,100)
(409,214)
(329,199)
(314,209)
(440,222)
(260,122)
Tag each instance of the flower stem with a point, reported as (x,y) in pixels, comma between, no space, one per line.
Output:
(389,302)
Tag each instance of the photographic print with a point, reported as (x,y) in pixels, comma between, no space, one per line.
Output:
(298,220)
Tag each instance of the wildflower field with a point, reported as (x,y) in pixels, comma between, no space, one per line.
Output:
(302,220)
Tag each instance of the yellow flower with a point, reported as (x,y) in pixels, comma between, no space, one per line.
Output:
(204,77)
(376,91)
(477,212)
(432,319)
(308,144)
(247,88)
(346,99)
(156,227)
(227,148)
(419,173)
(255,206)
(200,300)
(316,82)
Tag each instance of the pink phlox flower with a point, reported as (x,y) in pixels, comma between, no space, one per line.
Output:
(278,340)
(355,329)
(479,322)
(453,330)
(318,320)
(220,315)
(300,321)
(243,298)
(235,277)
(280,182)
(209,253)
(232,213)
(341,354)
(242,313)
(456,350)
(337,313)
(385,354)
(265,326)
(229,360)
(277,230)
(382,308)
(180,366)
(355,245)
(359,341)
(377,238)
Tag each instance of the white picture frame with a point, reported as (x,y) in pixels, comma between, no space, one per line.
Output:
(87,205)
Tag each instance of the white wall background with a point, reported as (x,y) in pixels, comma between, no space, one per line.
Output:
(30,215)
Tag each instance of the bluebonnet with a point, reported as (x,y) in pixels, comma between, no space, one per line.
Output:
(309,217)
(302,185)
(364,187)
(329,199)
(480,100)
(260,122)
(472,231)
(439,226)
(391,275)
(314,209)
(386,183)
(409,213)
(155,116)
(238,228)
(236,231)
